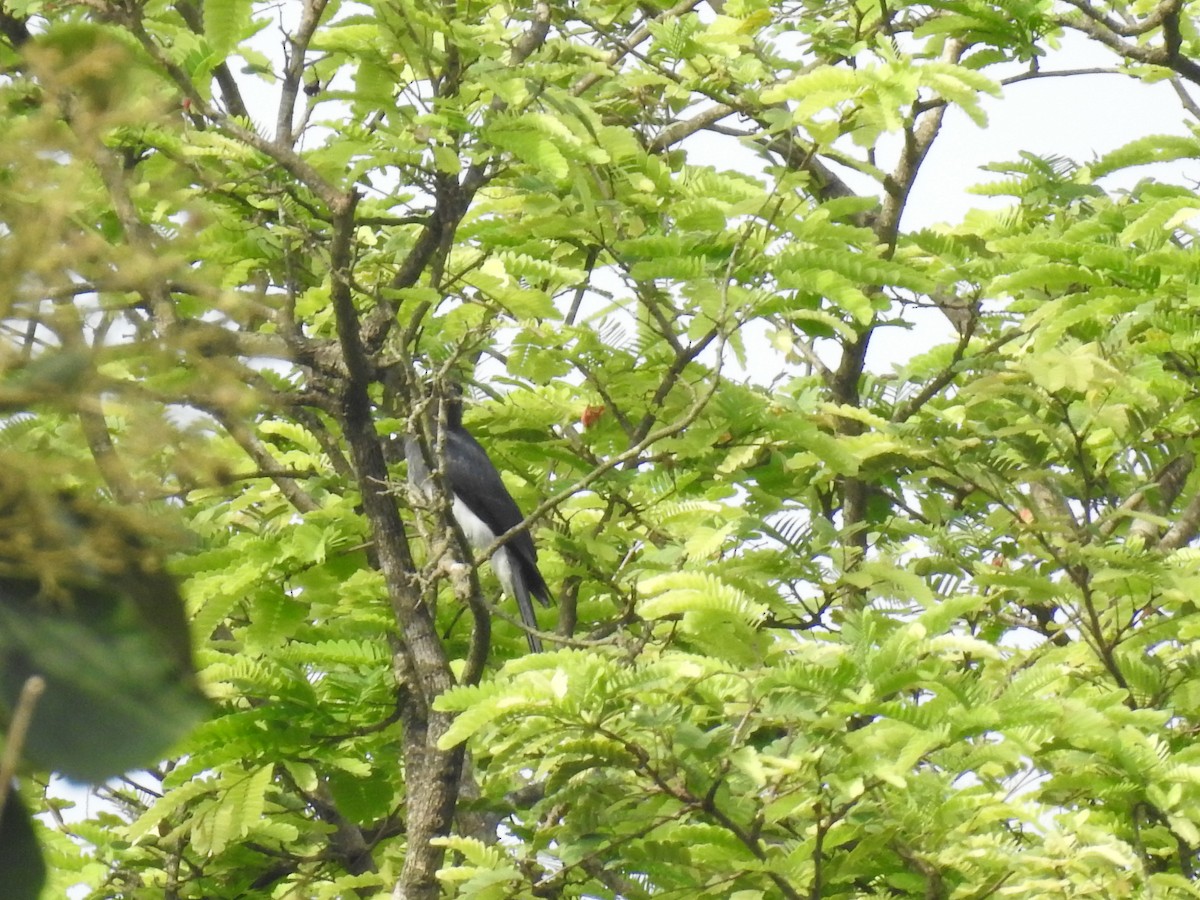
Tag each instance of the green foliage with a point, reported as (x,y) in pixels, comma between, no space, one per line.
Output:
(86,605)
(819,630)
(20,857)
(96,669)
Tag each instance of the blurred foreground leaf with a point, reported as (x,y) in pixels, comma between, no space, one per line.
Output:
(85,603)
(22,870)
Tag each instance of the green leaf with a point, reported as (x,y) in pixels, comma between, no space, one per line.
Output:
(823,85)
(240,809)
(532,148)
(93,613)
(1146,151)
(681,592)
(479,708)
(1076,370)
(22,869)
(350,37)
(1161,218)
(166,806)
(226,23)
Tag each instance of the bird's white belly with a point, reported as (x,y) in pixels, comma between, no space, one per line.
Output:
(477,532)
(479,536)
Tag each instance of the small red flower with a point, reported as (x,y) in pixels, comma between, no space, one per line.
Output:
(591,415)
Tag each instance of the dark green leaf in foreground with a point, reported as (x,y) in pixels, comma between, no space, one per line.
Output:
(22,870)
(85,604)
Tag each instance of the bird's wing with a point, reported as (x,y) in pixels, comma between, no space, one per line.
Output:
(418,472)
(475,481)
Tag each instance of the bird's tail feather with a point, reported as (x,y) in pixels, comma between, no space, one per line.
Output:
(536,584)
(527,614)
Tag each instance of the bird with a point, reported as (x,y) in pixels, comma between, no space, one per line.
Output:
(482,507)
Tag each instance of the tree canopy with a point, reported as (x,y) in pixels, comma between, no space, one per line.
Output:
(819,631)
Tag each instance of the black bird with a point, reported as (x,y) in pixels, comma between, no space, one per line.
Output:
(483,508)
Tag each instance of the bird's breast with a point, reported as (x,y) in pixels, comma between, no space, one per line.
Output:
(478,534)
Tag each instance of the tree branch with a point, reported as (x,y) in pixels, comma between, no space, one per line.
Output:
(1098,27)
(629,43)
(293,73)
(1185,527)
(290,161)
(257,451)
(18,728)
(192,15)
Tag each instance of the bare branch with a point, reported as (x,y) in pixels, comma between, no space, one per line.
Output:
(1185,528)
(1098,27)
(1184,97)
(293,73)
(706,118)
(1158,16)
(809,352)
(18,729)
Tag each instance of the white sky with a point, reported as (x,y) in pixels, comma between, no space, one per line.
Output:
(1080,117)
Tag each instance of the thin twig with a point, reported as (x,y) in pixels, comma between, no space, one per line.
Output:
(1184,97)
(639,35)
(31,692)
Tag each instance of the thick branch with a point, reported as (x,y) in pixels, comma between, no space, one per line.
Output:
(100,444)
(293,74)
(1101,29)
(432,773)
(1168,485)
(1148,23)
(1184,529)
